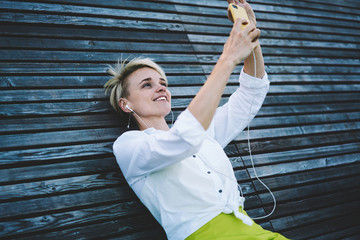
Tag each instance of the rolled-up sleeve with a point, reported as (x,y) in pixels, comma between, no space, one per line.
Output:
(231,118)
(140,153)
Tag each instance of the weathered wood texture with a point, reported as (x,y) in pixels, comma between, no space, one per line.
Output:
(58,177)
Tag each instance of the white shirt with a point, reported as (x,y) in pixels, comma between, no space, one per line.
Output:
(183,176)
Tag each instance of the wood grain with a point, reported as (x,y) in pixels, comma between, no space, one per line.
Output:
(58,176)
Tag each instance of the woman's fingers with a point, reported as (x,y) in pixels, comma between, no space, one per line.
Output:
(234,1)
(254,35)
(248,29)
(230,17)
(252,32)
(239,22)
(241,41)
(240,3)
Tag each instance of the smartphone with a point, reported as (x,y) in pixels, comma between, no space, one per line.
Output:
(238,12)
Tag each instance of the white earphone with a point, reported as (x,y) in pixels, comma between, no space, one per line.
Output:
(127,106)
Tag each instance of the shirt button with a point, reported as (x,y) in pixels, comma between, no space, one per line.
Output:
(220,191)
(194,156)
(208,172)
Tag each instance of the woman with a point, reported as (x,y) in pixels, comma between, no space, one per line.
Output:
(182,174)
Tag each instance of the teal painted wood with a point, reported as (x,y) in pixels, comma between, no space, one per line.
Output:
(58,177)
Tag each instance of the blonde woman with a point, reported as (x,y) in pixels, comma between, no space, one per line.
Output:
(181,174)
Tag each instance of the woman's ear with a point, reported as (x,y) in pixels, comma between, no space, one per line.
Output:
(122,104)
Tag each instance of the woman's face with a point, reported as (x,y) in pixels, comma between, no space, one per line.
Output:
(148,95)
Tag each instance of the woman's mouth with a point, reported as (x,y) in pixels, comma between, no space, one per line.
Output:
(161,98)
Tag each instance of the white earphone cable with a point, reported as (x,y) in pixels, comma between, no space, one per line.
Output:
(251,158)
(140,118)
(132,111)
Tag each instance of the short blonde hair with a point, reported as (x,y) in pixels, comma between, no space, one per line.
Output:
(117,85)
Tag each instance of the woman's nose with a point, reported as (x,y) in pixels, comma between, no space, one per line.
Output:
(161,88)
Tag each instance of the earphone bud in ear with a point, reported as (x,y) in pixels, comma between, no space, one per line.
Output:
(129,108)
(126,106)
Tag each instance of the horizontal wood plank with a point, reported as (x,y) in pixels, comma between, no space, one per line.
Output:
(104,229)
(70,218)
(315,229)
(67,201)
(37,172)
(298,142)
(312,218)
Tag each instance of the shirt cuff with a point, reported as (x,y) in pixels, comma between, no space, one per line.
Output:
(188,128)
(253,82)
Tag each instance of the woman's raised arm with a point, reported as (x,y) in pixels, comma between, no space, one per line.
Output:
(237,48)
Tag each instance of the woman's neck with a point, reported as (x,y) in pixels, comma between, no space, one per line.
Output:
(158,123)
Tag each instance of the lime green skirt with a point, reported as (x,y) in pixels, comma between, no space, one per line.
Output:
(228,227)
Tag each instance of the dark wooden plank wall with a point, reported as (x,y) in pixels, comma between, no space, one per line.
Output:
(58,177)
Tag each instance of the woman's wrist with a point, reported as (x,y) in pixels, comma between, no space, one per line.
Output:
(227,61)
(249,64)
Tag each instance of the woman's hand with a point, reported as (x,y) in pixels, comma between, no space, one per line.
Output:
(248,8)
(249,64)
(240,43)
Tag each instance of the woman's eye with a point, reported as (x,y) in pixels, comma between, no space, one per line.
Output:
(147,85)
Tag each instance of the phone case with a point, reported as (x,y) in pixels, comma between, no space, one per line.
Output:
(238,12)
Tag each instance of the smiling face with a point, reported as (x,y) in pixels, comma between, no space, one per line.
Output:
(148,95)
